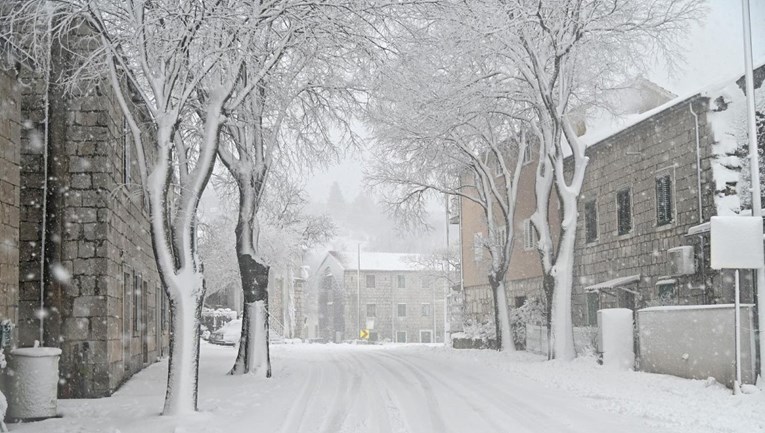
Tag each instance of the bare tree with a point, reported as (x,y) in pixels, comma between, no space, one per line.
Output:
(525,64)
(289,124)
(441,131)
(556,56)
(178,67)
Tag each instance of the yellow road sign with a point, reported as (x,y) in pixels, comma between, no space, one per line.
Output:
(364,333)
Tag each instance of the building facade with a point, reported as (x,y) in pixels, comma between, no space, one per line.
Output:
(654,179)
(389,295)
(85,277)
(10,182)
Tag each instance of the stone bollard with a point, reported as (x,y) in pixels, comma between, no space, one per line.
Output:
(33,383)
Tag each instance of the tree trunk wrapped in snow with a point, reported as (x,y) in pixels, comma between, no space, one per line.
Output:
(253,356)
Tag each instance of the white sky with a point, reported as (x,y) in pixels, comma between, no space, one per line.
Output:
(714,53)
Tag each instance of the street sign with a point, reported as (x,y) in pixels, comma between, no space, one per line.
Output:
(364,334)
(736,242)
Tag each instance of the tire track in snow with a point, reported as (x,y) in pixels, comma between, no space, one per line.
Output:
(434,411)
(375,403)
(341,403)
(565,418)
(462,390)
(296,414)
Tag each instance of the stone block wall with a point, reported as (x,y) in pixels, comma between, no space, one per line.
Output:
(98,254)
(10,141)
(634,158)
(386,295)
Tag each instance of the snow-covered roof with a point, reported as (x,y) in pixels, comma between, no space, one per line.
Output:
(602,125)
(693,307)
(373,261)
(605,126)
(611,284)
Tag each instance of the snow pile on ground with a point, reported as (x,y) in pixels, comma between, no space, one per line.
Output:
(674,404)
(415,389)
(225,313)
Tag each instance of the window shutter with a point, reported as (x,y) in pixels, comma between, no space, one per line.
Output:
(663,200)
(591,221)
(529,235)
(624,211)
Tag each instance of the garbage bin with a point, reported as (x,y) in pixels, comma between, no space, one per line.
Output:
(33,383)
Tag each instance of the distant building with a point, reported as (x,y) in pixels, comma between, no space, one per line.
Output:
(397,299)
(286,305)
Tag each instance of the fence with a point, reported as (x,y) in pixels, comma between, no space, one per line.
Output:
(696,342)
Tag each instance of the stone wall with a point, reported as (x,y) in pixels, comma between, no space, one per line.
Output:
(98,254)
(633,158)
(10,141)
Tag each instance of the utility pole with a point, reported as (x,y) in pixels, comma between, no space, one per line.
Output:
(447,272)
(358,290)
(755,169)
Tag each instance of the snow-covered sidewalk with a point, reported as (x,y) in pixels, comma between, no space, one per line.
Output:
(415,389)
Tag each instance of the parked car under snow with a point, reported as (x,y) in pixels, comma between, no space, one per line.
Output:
(228,334)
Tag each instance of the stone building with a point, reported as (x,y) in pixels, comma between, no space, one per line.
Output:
(643,210)
(397,299)
(84,277)
(286,301)
(10,181)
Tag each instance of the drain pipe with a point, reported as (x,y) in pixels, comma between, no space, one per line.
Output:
(702,242)
(46,140)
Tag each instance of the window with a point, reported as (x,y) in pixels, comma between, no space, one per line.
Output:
(425,282)
(401,310)
(519,301)
(425,309)
(370,281)
(529,235)
(400,336)
(593,305)
(624,211)
(501,235)
(478,247)
(527,155)
(426,336)
(665,291)
(663,200)
(145,308)
(127,291)
(371,310)
(590,221)
(136,304)
(401,281)
(163,310)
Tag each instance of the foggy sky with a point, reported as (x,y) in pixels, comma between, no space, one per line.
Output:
(714,53)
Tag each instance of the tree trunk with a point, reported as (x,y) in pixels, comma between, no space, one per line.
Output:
(253,356)
(502,323)
(183,369)
(548,285)
(563,273)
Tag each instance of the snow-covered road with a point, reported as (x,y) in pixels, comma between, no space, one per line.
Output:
(414,389)
(380,391)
